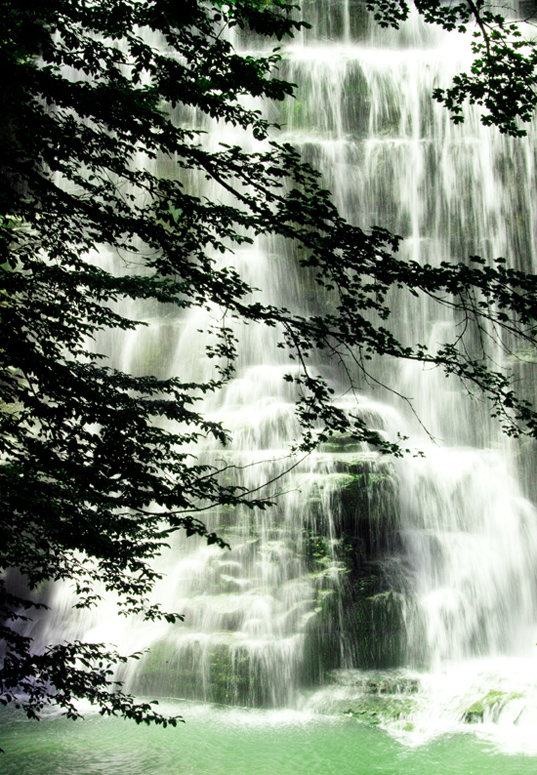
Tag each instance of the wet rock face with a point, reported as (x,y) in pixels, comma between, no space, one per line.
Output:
(299,595)
(369,696)
(362,624)
(490,706)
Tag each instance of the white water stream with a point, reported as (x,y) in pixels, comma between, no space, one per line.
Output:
(452,537)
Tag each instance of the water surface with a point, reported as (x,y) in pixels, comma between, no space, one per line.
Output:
(218,741)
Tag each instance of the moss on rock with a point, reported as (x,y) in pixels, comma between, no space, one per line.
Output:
(488,706)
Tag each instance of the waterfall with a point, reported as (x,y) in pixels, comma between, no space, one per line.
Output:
(363,564)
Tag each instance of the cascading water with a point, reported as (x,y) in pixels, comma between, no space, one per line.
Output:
(427,566)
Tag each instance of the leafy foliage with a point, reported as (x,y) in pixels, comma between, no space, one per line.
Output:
(96,470)
(503,74)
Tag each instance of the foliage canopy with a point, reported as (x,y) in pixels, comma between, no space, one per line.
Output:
(94,471)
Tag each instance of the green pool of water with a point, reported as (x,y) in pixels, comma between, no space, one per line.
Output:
(217,741)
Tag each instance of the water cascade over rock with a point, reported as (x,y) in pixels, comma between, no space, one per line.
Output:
(364,563)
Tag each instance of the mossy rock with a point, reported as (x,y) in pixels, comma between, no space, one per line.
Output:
(356,104)
(220,672)
(491,704)
(347,446)
(327,18)
(359,19)
(375,631)
(375,683)
(362,505)
(374,710)
(360,499)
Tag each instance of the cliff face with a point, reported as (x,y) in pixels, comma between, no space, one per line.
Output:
(306,592)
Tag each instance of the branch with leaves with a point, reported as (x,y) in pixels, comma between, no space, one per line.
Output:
(503,76)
